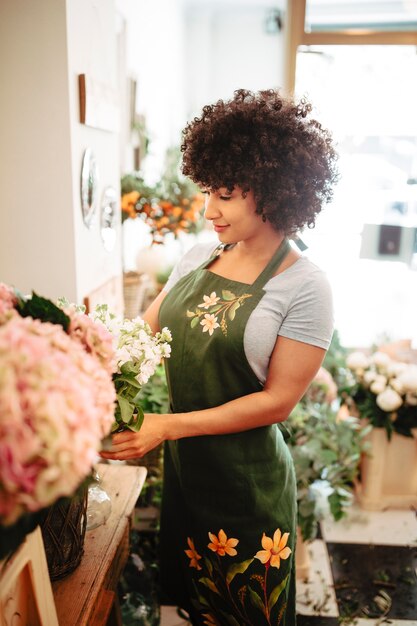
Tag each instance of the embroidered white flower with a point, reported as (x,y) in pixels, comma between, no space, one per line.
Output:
(209,323)
(209,301)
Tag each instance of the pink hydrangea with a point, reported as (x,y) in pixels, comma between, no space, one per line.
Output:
(94,337)
(56,405)
(8,301)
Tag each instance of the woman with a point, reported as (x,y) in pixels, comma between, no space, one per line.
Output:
(251,320)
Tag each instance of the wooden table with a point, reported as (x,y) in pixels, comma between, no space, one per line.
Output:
(87,596)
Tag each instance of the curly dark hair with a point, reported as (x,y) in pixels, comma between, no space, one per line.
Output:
(266,143)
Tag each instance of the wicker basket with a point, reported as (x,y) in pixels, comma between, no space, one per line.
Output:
(63,533)
(136,288)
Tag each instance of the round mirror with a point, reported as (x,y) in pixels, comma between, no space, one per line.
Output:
(109,204)
(89,181)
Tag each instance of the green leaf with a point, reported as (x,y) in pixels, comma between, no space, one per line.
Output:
(215,308)
(275,594)
(194,322)
(237,568)
(209,565)
(228,295)
(256,600)
(210,584)
(126,409)
(44,310)
(232,311)
(190,314)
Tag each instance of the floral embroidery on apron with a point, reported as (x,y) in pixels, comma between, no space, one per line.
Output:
(215,577)
(227,304)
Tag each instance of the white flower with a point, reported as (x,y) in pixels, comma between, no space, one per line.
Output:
(389,400)
(209,301)
(408,378)
(395,368)
(357,360)
(379,384)
(396,384)
(381,360)
(209,323)
(369,377)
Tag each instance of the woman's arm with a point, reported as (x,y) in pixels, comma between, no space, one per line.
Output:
(151,314)
(293,366)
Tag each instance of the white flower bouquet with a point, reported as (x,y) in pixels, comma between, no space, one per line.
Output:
(57,402)
(384,391)
(138,353)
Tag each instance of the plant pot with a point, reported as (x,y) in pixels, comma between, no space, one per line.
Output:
(389,472)
(302,557)
(63,533)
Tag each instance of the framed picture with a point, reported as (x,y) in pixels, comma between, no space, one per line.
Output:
(99,105)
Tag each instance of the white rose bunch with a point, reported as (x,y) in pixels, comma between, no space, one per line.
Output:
(385,390)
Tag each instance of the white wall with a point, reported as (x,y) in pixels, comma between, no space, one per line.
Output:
(155,58)
(227,48)
(44,245)
(36,217)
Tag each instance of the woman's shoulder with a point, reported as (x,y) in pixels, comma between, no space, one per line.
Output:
(200,252)
(194,257)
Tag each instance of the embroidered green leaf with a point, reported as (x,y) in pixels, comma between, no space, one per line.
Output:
(210,584)
(229,619)
(190,313)
(209,565)
(201,601)
(194,322)
(215,308)
(228,295)
(256,600)
(237,568)
(232,311)
(275,594)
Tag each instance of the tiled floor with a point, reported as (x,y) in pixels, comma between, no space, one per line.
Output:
(364,566)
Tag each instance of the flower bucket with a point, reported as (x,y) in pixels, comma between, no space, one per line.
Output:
(63,533)
(389,473)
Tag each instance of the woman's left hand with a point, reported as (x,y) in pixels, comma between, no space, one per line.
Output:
(129,445)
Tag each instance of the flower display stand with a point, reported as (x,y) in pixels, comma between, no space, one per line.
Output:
(25,589)
(302,557)
(388,472)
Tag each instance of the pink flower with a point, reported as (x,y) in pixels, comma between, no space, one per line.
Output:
(8,300)
(57,402)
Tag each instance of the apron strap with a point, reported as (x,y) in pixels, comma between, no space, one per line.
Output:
(273,264)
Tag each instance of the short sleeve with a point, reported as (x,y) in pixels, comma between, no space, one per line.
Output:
(310,316)
(189,262)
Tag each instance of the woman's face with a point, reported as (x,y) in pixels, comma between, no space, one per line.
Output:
(233,216)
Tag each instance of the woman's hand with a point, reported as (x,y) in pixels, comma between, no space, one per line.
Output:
(129,445)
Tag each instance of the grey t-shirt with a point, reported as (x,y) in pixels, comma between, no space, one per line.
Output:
(297,304)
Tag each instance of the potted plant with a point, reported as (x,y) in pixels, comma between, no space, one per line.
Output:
(383,393)
(326,451)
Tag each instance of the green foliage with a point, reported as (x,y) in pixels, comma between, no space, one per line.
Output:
(323,449)
(335,360)
(153,396)
(42,309)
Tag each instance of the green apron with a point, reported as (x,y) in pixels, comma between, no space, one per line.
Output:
(228,500)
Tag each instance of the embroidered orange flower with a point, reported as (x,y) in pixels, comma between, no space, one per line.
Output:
(209,301)
(222,545)
(274,549)
(193,554)
(209,323)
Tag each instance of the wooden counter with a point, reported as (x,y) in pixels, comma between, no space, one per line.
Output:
(87,596)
